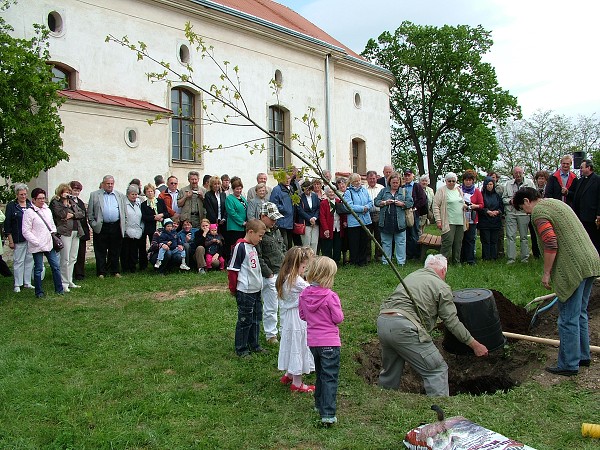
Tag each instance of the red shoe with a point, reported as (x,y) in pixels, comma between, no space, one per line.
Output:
(305,388)
(285,379)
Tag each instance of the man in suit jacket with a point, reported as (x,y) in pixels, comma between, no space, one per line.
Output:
(106,215)
(586,201)
(561,182)
(387,171)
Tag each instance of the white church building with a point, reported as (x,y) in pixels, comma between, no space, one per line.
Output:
(110,99)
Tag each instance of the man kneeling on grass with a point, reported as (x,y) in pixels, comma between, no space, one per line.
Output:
(404,325)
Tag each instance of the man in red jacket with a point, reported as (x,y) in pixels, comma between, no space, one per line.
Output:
(561,181)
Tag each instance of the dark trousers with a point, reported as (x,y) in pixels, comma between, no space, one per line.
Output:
(79,267)
(357,243)
(374,229)
(413,250)
(332,248)
(467,252)
(489,243)
(593,232)
(535,249)
(327,368)
(107,248)
(133,253)
(248,322)
(288,237)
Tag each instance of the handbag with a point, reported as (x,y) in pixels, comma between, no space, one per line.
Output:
(340,208)
(409,215)
(299,229)
(57,243)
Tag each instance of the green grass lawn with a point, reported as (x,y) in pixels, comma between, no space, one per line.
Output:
(148,362)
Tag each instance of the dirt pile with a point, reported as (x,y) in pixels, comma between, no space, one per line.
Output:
(518,362)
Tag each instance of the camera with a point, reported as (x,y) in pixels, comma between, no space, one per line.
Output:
(71,197)
(195,192)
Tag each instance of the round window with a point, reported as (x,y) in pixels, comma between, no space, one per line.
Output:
(278,78)
(131,137)
(357,100)
(55,22)
(184,54)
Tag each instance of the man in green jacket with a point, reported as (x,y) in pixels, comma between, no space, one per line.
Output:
(571,263)
(404,325)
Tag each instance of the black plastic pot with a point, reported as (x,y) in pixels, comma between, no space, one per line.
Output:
(477,311)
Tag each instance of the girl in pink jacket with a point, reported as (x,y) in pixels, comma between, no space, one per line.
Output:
(320,307)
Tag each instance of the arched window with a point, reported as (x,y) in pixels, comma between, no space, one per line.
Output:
(61,77)
(279,158)
(183,125)
(359,156)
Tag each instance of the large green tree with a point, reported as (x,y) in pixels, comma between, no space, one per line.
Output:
(445,99)
(30,126)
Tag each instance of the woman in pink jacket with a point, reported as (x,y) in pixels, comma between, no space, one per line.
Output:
(320,307)
(36,221)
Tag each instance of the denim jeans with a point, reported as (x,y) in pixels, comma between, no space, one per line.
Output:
(38,267)
(573,327)
(248,323)
(399,239)
(327,368)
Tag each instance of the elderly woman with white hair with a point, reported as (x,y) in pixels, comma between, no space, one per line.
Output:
(133,249)
(424,182)
(448,210)
(13,226)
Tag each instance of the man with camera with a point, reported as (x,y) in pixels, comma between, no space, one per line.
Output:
(191,201)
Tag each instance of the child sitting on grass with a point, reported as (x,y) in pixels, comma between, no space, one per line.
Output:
(322,310)
(169,241)
(245,282)
(214,247)
(294,355)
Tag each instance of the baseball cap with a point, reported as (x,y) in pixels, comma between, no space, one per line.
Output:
(270,210)
(167,222)
(407,171)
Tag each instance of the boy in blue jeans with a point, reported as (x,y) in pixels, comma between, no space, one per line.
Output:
(245,282)
(169,241)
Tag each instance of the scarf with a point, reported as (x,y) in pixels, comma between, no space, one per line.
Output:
(468,190)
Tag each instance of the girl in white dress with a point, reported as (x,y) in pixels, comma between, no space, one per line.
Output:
(294,355)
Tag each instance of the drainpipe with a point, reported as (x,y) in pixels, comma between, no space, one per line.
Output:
(328,116)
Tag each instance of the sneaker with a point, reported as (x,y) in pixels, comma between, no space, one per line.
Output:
(328,421)
(304,388)
(260,350)
(17,289)
(245,354)
(74,286)
(117,275)
(66,289)
(201,271)
(184,266)
(585,363)
(101,277)
(286,380)
(28,286)
(42,295)
(272,340)
(563,372)
(158,263)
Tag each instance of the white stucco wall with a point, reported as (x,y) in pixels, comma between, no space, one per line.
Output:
(94,136)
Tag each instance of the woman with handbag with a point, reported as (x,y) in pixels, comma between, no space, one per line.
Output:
(448,210)
(38,229)
(474,201)
(67,215)
(394,205)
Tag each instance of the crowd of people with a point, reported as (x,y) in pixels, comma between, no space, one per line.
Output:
(127,228)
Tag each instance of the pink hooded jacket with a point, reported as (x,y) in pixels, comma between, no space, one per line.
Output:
(321,309)
(35,231)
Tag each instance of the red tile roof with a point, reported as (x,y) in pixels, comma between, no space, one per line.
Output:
(285,17)
(113,100)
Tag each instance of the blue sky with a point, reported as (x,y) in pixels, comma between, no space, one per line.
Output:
(544,52)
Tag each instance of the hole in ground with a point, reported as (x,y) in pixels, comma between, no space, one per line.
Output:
(502,370)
